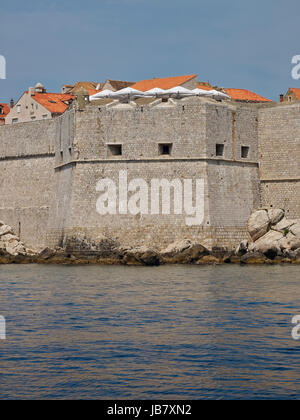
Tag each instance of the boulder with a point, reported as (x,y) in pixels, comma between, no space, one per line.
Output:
(9,238)
(254,258)
(177,247)
(269,239)
(295,229)
(16,249)
(269,244)
(276,215)
(258,224)
(295,254)
(242,249)
(183,252)
(251,247)
(12,249)
(284,225)
(141,256)
(289,242)
(208,260)
(5,229)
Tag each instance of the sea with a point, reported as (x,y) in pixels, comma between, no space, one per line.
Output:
(163,333)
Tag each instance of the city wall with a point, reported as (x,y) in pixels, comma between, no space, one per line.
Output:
(49,170)
(279,156)
(194,127)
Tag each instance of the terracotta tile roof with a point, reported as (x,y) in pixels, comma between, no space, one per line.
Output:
(165,83)
(84,85)
(204,87)
(119,84)
(93,91)
(54,102)
(245,95)
(6,110)
(296,92)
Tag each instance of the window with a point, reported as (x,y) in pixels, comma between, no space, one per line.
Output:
(220,149)
(114,149)
(15,120)
(44,117)
(165,100)
(18,109)
(33,118)
(165,148)
(245,152)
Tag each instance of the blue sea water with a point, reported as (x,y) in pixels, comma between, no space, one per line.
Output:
(178,332)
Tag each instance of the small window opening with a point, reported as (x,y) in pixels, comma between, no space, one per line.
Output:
(165,149)
(220,149)
(115,149)
(165,100)
(245,152)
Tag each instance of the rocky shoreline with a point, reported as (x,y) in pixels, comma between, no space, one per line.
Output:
(273,239)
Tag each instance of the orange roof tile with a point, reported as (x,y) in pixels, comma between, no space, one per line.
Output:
(93,91)
(296,92)
(54,102)
(165,83)
(204,87)
(6,110)
(245,95)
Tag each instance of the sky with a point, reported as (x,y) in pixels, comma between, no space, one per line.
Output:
(230,43)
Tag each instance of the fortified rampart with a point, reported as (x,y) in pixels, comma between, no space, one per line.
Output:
(279,155)
(50,169)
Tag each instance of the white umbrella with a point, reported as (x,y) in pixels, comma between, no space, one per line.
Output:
(155,92)
(218,93)
(180,91)
(202,92)
(127,92)
(100,95)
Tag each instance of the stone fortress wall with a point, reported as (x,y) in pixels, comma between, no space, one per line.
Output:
(49,169)
(279,156)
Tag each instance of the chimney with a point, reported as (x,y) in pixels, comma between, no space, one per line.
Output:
(12,104)
(281,98)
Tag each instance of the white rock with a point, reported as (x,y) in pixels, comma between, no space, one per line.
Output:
(283,225)
(178,246)
(269,241)
(258,224)
(242,248)
(251,247)
(276,215)
(5,229)
(295,229)
(8,238)
(289,242)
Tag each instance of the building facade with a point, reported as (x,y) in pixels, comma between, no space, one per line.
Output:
(4,111)
(37,104)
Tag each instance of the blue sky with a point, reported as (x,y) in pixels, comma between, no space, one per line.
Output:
(231,43)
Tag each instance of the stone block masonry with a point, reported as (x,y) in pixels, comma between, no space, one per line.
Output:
(49,169)
(279,156)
